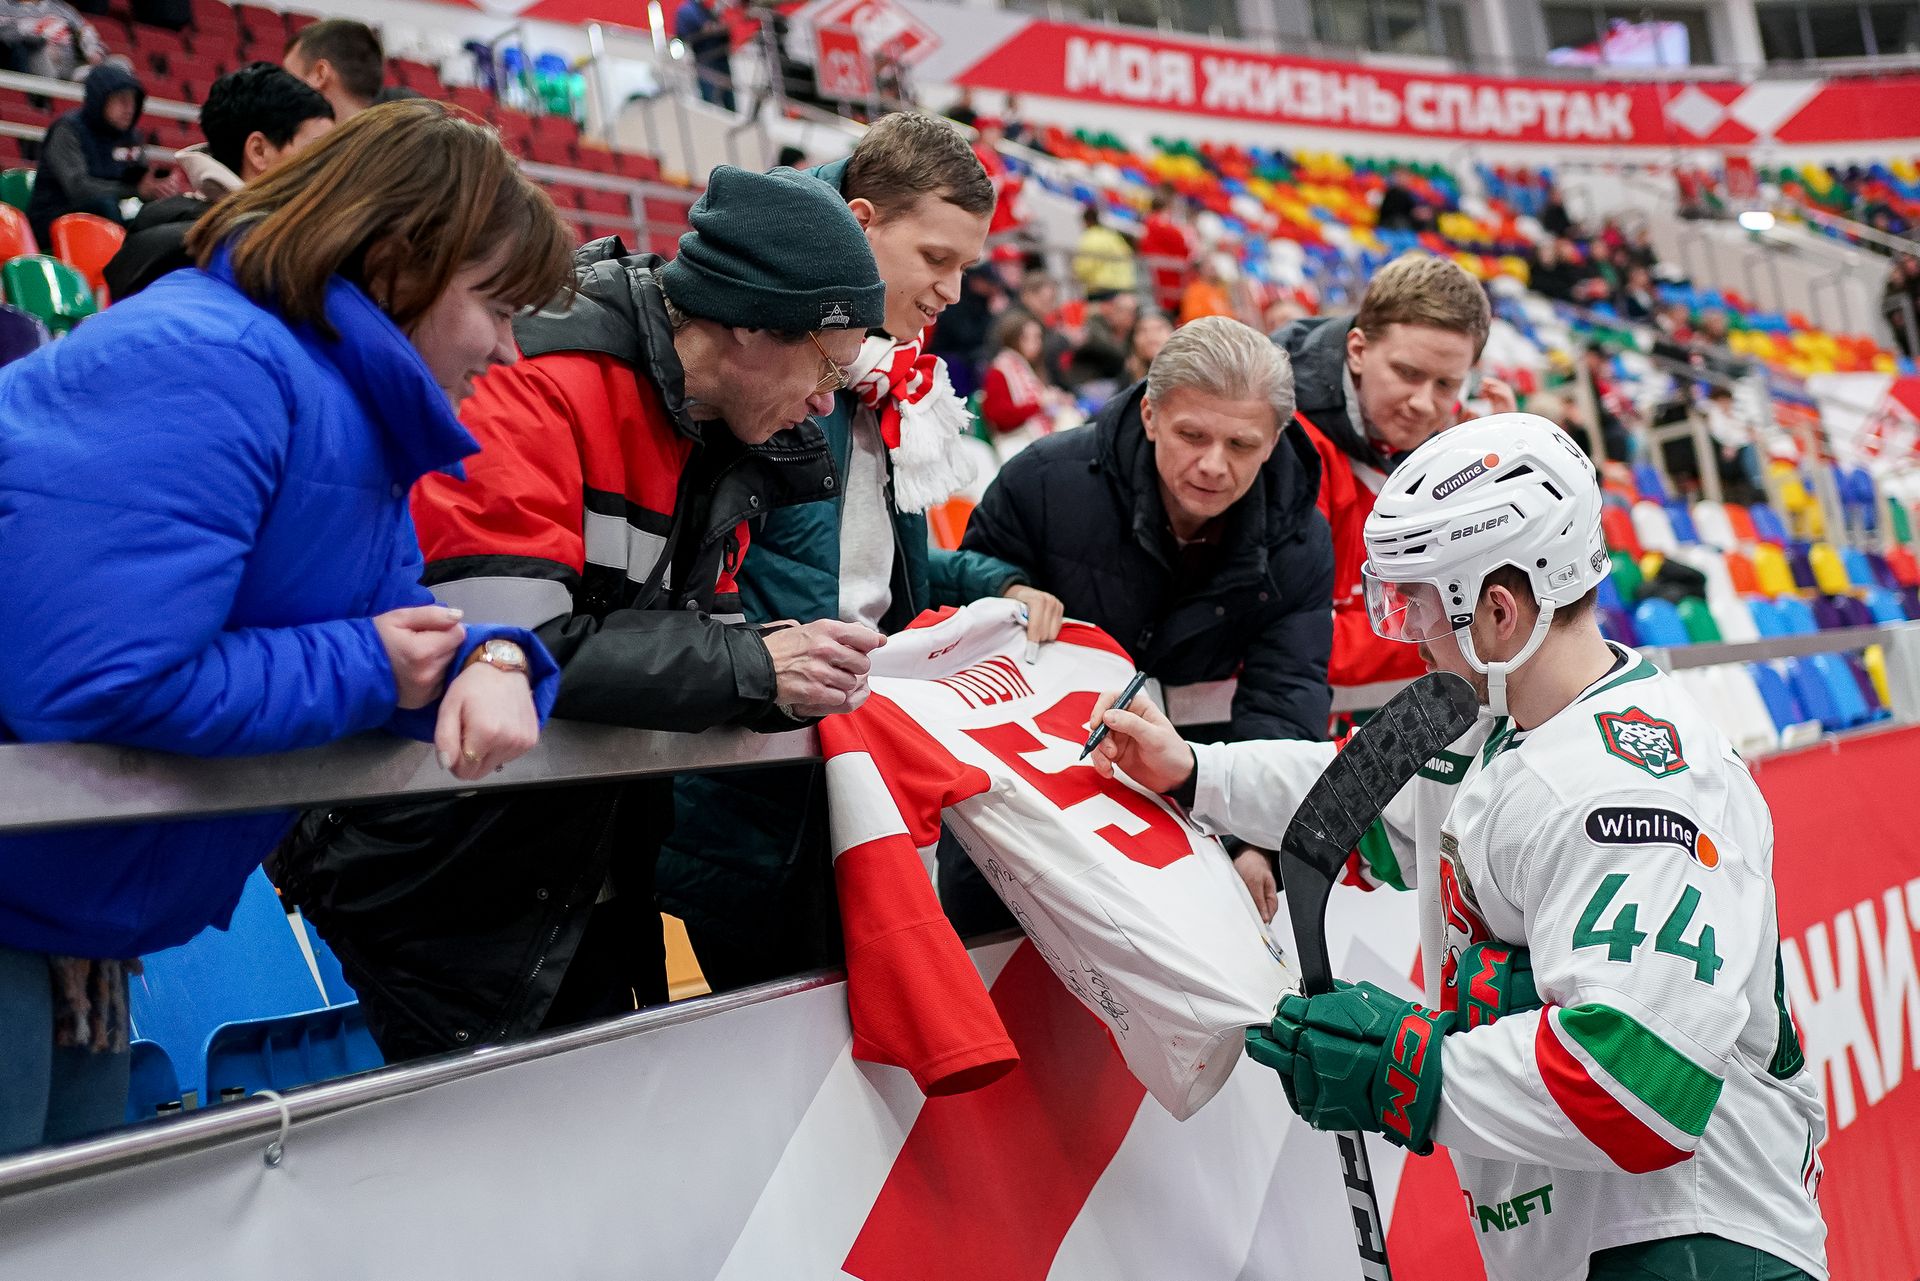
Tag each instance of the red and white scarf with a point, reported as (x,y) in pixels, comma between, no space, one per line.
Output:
(921,419)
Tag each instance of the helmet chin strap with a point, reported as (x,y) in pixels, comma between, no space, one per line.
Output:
(1496,673)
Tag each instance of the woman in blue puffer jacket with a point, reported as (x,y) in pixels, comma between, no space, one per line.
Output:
(203,512)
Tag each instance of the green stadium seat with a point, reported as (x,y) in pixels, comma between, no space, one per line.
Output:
(1698,619)
(16,187)
(49,289)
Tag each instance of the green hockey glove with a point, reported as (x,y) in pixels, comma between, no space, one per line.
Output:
(1493,979)
(1358,1058)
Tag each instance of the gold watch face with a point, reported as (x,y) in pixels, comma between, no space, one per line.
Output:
(505,655)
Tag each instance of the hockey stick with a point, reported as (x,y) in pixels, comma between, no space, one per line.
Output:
(1381,758)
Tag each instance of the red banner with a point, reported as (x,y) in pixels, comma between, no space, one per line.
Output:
(1848,883)
(1128,69)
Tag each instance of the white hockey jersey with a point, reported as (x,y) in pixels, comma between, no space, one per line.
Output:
(1138,912)
(1660,1091)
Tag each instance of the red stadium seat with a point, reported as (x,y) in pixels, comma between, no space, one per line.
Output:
(85,242)
(16,236)
(607,202)
(1616,526)
(1741,573)
(1742,521)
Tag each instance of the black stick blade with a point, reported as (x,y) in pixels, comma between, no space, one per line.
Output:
(1380,759)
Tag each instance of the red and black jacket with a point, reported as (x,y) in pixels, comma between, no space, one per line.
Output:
(601,516)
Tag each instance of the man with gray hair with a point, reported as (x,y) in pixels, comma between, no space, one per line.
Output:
(1182,521)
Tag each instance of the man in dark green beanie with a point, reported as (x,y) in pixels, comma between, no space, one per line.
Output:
(651,418)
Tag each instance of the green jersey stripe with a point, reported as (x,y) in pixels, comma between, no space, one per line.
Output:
(1377,850)
(1639,671)
(1681,1091)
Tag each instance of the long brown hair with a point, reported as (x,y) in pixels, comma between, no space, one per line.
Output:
(397,201)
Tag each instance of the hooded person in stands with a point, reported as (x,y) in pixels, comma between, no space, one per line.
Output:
(656,412)
(1182,521)
(93,158)
(745,868)
(1371,387)
(253,119)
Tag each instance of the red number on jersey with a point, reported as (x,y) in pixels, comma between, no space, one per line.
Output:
(1164,841)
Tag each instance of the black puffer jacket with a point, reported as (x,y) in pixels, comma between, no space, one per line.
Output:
(1080,512)
(455,920)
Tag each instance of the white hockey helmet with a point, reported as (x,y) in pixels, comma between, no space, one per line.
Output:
(1510,489)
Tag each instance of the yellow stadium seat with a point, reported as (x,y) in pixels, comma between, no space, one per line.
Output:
(1875,659)
(1650,563)
(1829,574)
(1771,570)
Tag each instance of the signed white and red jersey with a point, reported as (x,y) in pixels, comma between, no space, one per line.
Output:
(1136,910)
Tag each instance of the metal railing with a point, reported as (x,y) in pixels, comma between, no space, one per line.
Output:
(54,785)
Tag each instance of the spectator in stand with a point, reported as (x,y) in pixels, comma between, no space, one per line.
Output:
(1040,298)
(1897,300)
(1150,334)
(1288,306)
(701,25)
(48,38)
(746,863)
(1014,126)
(1182,522)
(1553,215)
(93,158)
(1610,397)
(1554,273)
(962,112)
(1637,300)
(791,157)
(1210,292)
(1103,260)
(1372,386)
(1006,186)
(1400,209)
(653,412)
(253,119)
(960,339)
(1710,350)
(1166,250)
(1015,400)
(211,555)
(1099,361)
(343,60)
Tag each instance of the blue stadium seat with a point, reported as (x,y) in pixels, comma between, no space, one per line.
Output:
(294,1050)
(1810,690)
(1848,704)
(1859,568)
(1767,526)
(1782,706)
(1658,623)
(252,969)
(1766,616)
(1682,521)
(1884,606)
(1607,595)
(1882,572)
(1796,616)
(151,1081)
(1646,479)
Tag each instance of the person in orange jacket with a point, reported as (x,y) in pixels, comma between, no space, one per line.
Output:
(1370,388)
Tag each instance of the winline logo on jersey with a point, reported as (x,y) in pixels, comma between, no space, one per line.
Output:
(1644,825)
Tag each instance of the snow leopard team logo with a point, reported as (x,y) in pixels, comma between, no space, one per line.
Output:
(1643,740)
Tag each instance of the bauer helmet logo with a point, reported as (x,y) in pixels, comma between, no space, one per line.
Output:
(1642,740)
(1468,531)
(1465,474)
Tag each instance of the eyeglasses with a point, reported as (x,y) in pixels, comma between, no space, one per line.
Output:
(834,378)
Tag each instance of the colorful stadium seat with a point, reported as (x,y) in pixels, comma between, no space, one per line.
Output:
(1811,692)
(1778,696)
(1740,573)
(1742,522)
(1796,616)
(1626,576)
(16,237)
(49,289)
(1829,572)
(1698,620)
(1682,522)
(1733,618)
(1771,571)
(1653,527)
(1766,525)
(1874,659)
(20,333)
(1616,626)
(85,242)
(1848,705)
(1616,527)
(16,188)
(1884,606)
(1713,526)
(1658,623)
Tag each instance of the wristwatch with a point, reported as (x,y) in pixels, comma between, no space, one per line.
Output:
(502,655)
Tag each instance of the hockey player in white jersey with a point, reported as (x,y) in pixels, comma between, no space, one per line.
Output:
(1604,1046)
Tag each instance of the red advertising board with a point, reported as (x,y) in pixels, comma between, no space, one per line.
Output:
(1142,69)
(843,71)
